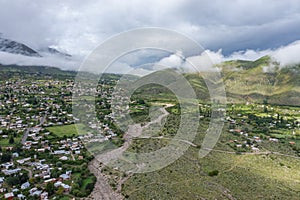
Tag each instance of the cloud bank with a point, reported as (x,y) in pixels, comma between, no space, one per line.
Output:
(77,27)
(143,62)
(285,55)
(229,29)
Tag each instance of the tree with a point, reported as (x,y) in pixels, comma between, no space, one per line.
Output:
(89,187)
(50,188)
(12,180)
(11,140)
(59,164)
(54,173)
(60,191)
(6,157)
(23,177)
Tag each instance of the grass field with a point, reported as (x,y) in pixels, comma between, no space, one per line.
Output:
(69,130)
(240,177)
(4,142)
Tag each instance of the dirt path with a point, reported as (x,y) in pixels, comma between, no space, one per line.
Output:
(134,131)
(29,171)
(102,189)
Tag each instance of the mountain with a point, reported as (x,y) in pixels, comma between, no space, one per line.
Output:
(260,81)
(9,71)
(10,46)
(53,51)
(13,47)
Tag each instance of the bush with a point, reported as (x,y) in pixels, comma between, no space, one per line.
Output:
(213,173)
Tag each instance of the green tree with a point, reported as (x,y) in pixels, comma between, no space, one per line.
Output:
(11,140)
(6,157)
(12,180)
(60,191)
(50,188)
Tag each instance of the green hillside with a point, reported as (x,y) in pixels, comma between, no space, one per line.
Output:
(256,81)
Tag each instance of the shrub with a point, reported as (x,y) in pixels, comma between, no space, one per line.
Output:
(213,173)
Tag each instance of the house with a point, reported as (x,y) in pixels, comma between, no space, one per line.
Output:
(63,158)
(273,139)
(9,196)
(64,177)
(11,171)
(80,157)
(15,155)
(32,190)
(15,190)
(292,143)
(66,187)
(50,180)
(255,149)
(25,185)
(57,184)
(7,165)
(36,193)
(2,190)
(21,196)
(69,172)
(46,177)
(44,196)
(77,152)
(59,152)
(22,161)
(40,150)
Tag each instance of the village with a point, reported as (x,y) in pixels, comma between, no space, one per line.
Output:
(43,154)
(37,160)
(259,128)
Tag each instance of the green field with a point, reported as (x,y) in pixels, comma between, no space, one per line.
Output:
(240,177)
(4,142)
(69,130)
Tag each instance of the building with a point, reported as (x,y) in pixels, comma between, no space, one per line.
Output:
(9,196)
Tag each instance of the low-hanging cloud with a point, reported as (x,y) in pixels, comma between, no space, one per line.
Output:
(285,55)
(53,61)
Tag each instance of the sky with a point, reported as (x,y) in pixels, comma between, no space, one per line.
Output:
(227,29)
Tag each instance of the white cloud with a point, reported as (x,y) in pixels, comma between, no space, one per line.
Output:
(78,27)
(141,63)
(288,55)
(124,68)
(54,61)
(172,61)
(285,55)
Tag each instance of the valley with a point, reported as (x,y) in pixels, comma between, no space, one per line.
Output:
(257,154)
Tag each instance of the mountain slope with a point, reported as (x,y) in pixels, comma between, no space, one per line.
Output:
(53,51)
(261,80)
(14,47)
